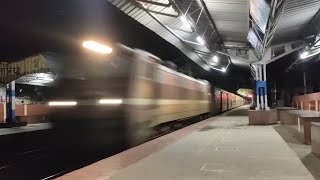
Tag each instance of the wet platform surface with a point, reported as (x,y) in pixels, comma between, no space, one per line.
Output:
(28,128)
(222,147)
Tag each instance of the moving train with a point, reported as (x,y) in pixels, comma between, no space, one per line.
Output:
(123,97)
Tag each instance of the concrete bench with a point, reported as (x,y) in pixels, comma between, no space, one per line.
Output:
(279,109)
(301,121)
(266,117)
(315,138)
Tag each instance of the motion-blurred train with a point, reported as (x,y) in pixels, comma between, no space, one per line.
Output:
(124,96)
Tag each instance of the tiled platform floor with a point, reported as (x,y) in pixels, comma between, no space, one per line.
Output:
(221,148)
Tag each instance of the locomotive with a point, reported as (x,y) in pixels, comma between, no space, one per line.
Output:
(123,97)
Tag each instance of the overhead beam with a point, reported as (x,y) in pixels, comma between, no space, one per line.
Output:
(288,48)
(211,20)
(156,3)
(277,7)
(214,27)
(158,27)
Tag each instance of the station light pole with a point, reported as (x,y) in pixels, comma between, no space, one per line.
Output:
(304,83)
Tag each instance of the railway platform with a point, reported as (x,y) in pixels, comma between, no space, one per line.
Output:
(24,129)
(222,147)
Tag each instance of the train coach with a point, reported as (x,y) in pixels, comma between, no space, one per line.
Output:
(125,96)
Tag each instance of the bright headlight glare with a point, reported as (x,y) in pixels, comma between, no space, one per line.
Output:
(97,47)
(111,101)
(62,103)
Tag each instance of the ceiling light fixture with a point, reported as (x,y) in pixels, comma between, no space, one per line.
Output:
(215,59)
(304,55)
(200,40)
(185,21)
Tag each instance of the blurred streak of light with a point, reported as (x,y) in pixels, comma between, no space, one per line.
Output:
(97,47)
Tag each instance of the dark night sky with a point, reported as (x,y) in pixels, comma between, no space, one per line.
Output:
(33,26)
(292,79)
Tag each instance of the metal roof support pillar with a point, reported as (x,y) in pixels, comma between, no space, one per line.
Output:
(304,83)
(261,87)
(257,90)
(199,15)
(265,91)
(188,8)
(11,102)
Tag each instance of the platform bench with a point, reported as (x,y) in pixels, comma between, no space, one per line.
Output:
(315,138)
(279,109)
(300,120)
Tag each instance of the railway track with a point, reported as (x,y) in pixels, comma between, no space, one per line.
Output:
(46,163)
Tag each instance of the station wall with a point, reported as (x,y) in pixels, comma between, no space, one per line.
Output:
(31,113)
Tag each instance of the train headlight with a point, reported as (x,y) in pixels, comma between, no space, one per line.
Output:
(62,103)
(111,101)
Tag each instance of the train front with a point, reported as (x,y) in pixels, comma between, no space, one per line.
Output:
(87,101)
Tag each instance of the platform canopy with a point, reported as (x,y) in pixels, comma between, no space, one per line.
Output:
(239,32)
(33,70)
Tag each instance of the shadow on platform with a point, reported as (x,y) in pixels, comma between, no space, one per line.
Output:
(238,112)
(295,142)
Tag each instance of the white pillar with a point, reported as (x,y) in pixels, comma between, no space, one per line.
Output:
(261,75)
(5,111)
(257,79)
(25,110)
(261,79)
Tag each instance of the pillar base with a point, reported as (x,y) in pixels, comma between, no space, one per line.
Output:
(263,117)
